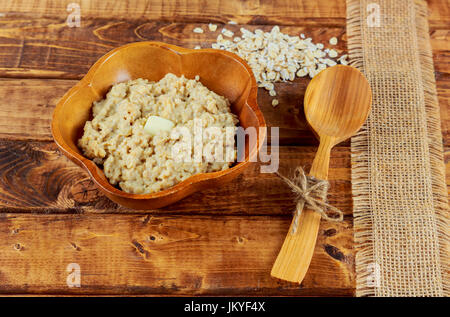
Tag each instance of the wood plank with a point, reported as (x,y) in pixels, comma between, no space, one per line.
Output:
(443,91)
(288,12)
(36,177)
(51,183)
(292,12)
(165,255)
(439,13)
(27,111)
(47,48)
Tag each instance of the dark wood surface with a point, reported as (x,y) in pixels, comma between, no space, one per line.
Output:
(222,241)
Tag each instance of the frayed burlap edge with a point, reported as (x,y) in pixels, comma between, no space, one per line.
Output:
(360,157)
(440,195)
(362,216)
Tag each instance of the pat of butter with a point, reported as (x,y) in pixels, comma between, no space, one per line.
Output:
(155,125)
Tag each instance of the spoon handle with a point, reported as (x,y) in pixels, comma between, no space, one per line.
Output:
(296,253)
(321,163)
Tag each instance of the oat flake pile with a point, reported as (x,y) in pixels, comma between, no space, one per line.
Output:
(275,56)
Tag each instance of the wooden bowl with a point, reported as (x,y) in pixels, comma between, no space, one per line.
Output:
(222,72)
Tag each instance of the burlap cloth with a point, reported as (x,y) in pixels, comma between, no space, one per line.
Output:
(401,214)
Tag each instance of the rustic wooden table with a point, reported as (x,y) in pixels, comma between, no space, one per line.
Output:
(222,241)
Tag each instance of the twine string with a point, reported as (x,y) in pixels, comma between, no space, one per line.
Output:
(311,194)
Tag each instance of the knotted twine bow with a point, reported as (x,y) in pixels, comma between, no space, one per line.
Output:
(312,194)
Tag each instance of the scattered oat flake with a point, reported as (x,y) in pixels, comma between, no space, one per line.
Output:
(333,40)
(212,27)
(275,102)
(269,86)
(198,30)
(227,33)
(329,62)
(275,56)
(343,59)
(302,72)
(332,53)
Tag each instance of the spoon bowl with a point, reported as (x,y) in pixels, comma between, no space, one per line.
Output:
(337,103)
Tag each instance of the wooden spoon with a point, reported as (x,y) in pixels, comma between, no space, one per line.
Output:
(337,103)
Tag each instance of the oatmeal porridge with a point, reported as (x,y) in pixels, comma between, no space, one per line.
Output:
(132,133)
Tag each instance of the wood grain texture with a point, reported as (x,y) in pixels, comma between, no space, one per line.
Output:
(26,112)
(295,12)
(47,48)
(167,255)
(36,177)
(323,12)
(116,252)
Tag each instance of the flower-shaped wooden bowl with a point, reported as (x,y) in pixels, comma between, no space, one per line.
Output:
(222,72)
